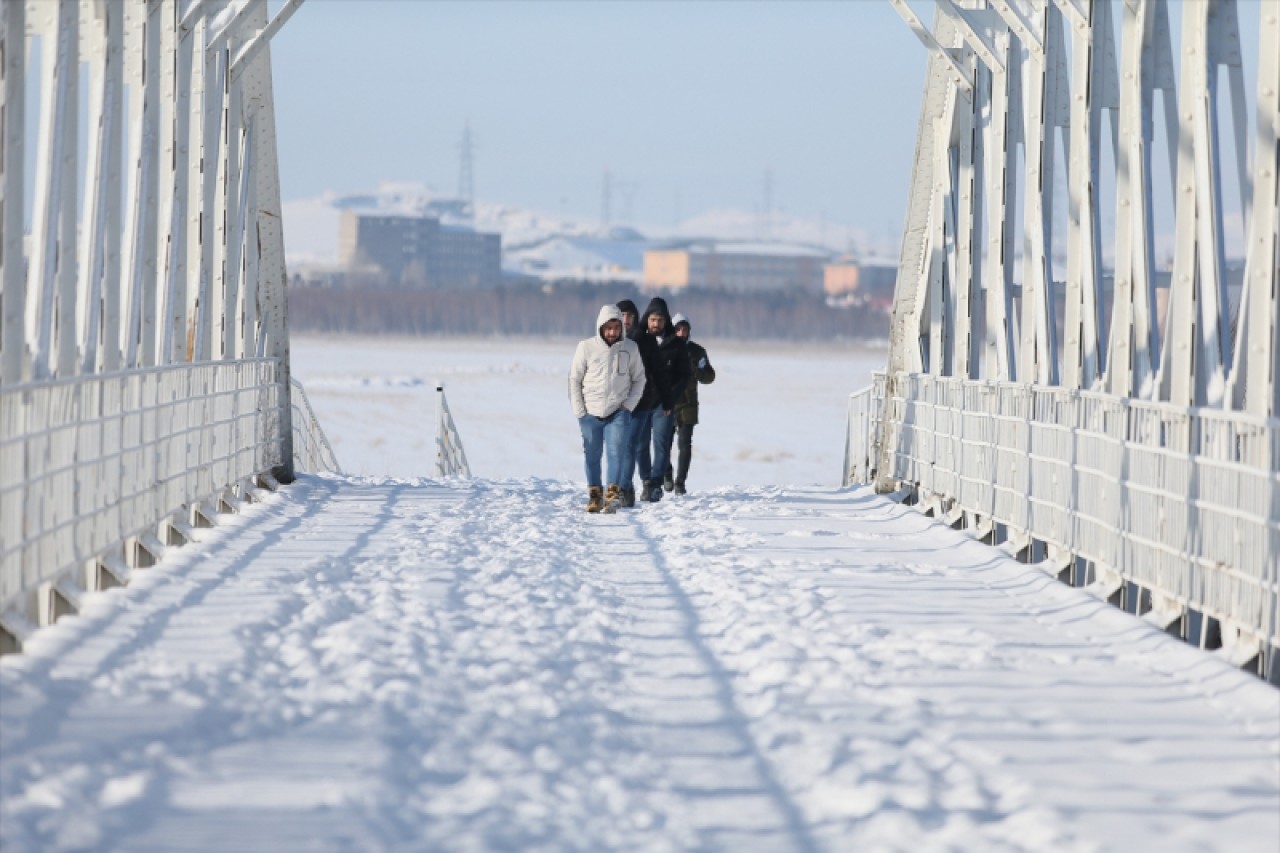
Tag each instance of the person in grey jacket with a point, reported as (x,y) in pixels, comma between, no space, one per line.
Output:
(606,381)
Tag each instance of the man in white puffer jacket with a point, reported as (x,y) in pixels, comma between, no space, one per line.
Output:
(606,381)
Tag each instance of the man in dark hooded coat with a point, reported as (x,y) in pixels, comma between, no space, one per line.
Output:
(671,375)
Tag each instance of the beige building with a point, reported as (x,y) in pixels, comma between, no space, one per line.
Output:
(847,277)
(738,267)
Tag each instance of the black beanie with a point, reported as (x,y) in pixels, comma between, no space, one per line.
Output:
(627,305)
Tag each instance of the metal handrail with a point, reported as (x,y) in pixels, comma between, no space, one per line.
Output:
(311,448)
(1183,502)
(87,463)
(862,435)
(451,459)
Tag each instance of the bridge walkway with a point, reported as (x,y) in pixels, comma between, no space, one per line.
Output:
(378,664)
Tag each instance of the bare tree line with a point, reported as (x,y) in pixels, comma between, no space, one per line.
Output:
(570,308)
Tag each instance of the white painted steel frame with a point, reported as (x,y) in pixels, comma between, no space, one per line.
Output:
(191,266)
(1169,428)
(1002,69)
(167,267)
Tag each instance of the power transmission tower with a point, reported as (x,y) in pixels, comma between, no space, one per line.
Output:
(606,199)
(628,191)
(466,179)
(766,226)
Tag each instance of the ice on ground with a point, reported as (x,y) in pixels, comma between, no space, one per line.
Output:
(374,664)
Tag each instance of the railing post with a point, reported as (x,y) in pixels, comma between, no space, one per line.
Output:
(273,336)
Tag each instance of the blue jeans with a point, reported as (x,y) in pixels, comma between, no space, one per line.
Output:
(664,427)
(637,447)
(607,436)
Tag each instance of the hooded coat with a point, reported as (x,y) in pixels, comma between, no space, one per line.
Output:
(604,378)
(687,408)
(673,369)
(625,306)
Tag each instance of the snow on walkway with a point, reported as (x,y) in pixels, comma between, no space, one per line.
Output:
(385,665)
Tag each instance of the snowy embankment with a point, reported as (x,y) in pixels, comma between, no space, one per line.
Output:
(413,665)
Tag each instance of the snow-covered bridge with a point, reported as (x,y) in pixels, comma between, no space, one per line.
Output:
(348,663)
(374,664)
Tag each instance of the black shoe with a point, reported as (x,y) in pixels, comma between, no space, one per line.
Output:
(646,491)
(668,483)
(628,498)
(656,494)
(680,488)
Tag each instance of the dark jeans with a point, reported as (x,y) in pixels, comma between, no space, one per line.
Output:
(684,434)
(636,448)
(664,427)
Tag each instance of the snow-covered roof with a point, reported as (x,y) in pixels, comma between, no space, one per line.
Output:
(790,250)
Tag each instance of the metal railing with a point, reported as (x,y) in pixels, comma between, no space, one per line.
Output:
(311,448)
(451,460)
(862,438)
(1182,502)
(144,339)
(89,463)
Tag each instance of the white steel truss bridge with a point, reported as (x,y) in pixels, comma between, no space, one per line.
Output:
(144,350)
(427,664)
(1083,363)
(1054,383)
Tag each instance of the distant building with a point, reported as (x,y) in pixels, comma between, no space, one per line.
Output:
(848,277)
(419,251)
(739,267)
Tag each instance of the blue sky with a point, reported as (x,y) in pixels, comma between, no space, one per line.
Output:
(686,103)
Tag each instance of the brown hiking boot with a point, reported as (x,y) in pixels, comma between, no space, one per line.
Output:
(612,498)
(595,501)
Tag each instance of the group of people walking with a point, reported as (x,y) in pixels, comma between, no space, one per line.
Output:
(634,387)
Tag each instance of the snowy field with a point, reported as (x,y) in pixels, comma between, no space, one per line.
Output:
(374,663)
(774,415)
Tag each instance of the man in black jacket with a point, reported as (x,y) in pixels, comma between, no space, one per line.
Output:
(671,375)
(686,414)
